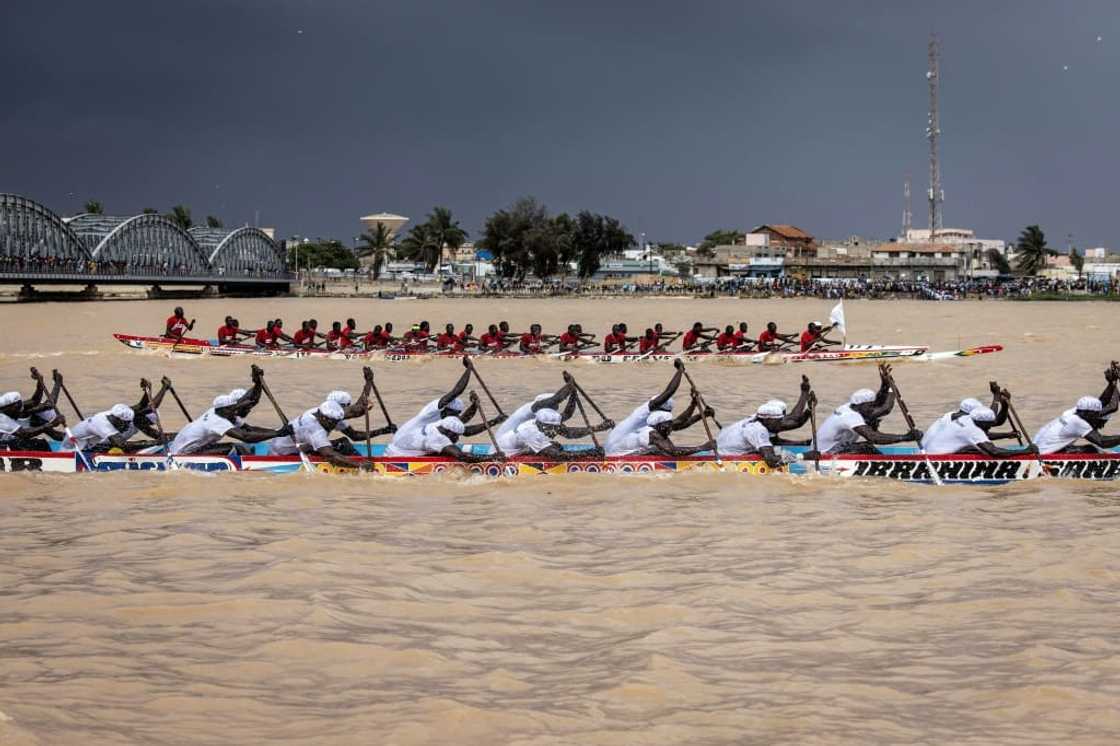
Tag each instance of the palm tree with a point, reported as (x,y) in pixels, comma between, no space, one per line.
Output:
(1031,251)
(93,207)
(445,230)
(376,243)
(1077,261)
(422,245)
(213,222)
(181,216)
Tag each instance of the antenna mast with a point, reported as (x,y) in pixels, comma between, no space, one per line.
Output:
(933,133)
(907,212)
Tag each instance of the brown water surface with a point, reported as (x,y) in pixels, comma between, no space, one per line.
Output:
(186,608)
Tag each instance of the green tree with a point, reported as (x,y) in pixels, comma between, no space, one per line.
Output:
(721,237)
(1077,260)
(445,230)
(1031,251)
(597,236)
(521,239)
(93,207)
(180,216)
(150,211)
(421,245)
(376,243)
(999,261)
(322,255)
(213,222)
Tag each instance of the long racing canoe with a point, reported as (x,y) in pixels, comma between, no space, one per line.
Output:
(903,467)
(188,347)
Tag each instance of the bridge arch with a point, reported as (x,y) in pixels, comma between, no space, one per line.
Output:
(142,244)
(242,252)
(34,238)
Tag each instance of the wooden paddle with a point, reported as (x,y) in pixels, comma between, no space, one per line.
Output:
(1018,425)
(70,399)
(478,403)
(485,388)
(66,428)
(179,401)
(699,400)
(910,424)
(171,463)
(284,422)
(569,378)
(581,392)
(813,424)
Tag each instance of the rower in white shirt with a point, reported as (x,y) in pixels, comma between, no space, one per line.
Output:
(968,433)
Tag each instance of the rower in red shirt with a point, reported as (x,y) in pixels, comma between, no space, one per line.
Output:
(813,337)
(648,341)
(304,336)
(771,339)
(347,334)
(447,341)
(227,332)
(726,340)
(531,341)
(372,339)
(334,336)
(264,338)
(490,341)
(614,340)
(505,336)
(177,325)
(664,338)
(743,342)
(569,341)
(699,338)
(467,338)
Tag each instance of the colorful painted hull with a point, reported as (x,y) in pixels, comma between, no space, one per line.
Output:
(850,354)
(956,469)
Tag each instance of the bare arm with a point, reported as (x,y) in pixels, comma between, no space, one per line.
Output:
(885,439)
(456,390)
(663,446)
(658,401)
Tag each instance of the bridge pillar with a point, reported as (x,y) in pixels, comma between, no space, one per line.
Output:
(28,293)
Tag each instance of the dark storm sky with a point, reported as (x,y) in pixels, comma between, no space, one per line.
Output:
(676,117)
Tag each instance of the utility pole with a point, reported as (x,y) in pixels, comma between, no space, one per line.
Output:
(907,212)
(933,133)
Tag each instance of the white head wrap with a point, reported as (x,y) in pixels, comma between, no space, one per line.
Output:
(1089,404)
(237,394)
(456,405)
(10,398)
(772,408)
(969,404)
(541,397)
(341,397)
(548,417)
(656,418)
(451,425)
(122,412)
(982,414)
(668,405)
(222,401)
(331,410)
(863,396)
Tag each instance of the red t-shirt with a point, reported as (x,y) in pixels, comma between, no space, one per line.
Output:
(807,340)
(333,337)
(344,339)
(265,338)
(176,326)
(725,341)
(488,340)
(690,339)
(766,340)
(647,343)
(530,342)
(462,337)
(613,341)
(226,335)
(568,339)
(447,341)
(302,337)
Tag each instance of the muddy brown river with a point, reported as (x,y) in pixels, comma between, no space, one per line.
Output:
(185,608)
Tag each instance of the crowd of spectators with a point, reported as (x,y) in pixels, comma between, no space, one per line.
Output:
(141,266)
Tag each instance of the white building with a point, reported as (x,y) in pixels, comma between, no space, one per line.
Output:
(393,222)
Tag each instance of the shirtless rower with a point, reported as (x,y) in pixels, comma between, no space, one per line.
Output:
(854,426)
(759,433)
(813,337)
(538,434)
(968,433)
(771,339)
(1084,421)
(699,338)
(177,325)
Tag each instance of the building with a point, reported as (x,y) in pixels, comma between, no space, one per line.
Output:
(794,241)
(393,222)
(883,261)
(740,261)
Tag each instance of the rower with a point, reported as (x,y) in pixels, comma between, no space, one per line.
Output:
(1084,421)
(387,337)
(352,409)
(17,437)
(39,409)
(759,433)
(227,332)
(726,341)
(1000,400)
(615,340)
(813,337)
(586,339)
(349,333)
(310,433)
(102,431)
(448,405)
(334,336)
(531,341)
(177,325)
(771,339)
(467,338)
(537,436)
(490,341)
(505,336)
(569,340)
(636,420)
(438,438)
(652,438)
(648,342)
(448,341)
(203,435)
(743,341)
(859,418)
(525,412)
(304,337)
(968,433)
(699,338)
(271,335)
(373,339)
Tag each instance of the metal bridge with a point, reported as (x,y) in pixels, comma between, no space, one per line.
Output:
(37,247)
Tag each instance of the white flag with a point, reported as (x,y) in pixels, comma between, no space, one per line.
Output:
(836,318)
